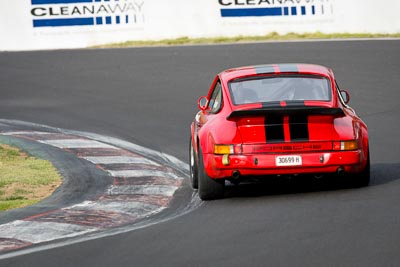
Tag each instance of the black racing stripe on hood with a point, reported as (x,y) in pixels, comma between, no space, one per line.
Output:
(298,123)
(288,68)
(271,104)
(264,69)
(296,103)
(298,127)
(274,131)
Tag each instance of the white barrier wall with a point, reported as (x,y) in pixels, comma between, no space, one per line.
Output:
(55,24)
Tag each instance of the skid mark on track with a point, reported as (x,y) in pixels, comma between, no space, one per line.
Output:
(142,187)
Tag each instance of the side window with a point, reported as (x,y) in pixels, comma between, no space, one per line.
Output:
(215,102)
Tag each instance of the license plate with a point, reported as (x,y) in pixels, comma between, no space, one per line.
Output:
(288,161)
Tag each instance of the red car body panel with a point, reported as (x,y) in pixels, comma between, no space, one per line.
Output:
(309,129)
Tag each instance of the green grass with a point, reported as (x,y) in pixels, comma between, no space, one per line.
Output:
(24,180)
(240,39)
(12,204)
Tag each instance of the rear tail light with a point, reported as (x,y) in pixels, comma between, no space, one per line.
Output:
(223,149)
(345,145)
(227,149)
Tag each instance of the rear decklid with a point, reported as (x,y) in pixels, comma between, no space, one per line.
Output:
(286,128)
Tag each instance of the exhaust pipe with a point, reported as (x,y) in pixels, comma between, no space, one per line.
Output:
(235,178)
(340,171)
(236,175)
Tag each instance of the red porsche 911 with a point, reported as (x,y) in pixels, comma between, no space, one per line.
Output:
(280,119)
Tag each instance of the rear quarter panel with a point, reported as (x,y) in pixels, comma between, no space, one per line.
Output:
(218,131)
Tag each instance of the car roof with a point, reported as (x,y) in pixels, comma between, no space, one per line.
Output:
(286,68)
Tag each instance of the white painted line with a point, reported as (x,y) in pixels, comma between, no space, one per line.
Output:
(36,232)
(25,133)
(165,190)
(76,143)
(143,173)
(120,160)
(167,159)
(137,209)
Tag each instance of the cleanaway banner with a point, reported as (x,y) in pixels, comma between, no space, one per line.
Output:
(58,24)
(67,13)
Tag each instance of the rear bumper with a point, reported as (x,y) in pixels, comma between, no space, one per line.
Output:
(264,164)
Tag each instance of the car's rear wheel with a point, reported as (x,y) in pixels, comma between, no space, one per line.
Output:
(209,188)
(363,178)
(194,169)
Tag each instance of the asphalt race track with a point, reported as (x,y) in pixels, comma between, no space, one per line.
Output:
(148,96)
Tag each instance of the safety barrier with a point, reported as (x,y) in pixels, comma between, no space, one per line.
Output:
(55,24)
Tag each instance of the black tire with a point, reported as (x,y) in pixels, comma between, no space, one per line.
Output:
(209,188)
(194,169)
(363,178)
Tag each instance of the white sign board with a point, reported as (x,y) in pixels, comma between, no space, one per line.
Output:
(55,24)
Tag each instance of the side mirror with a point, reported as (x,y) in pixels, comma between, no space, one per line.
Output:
(345,96)
(202,103)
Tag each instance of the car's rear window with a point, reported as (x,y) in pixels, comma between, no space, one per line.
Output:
(280,88)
